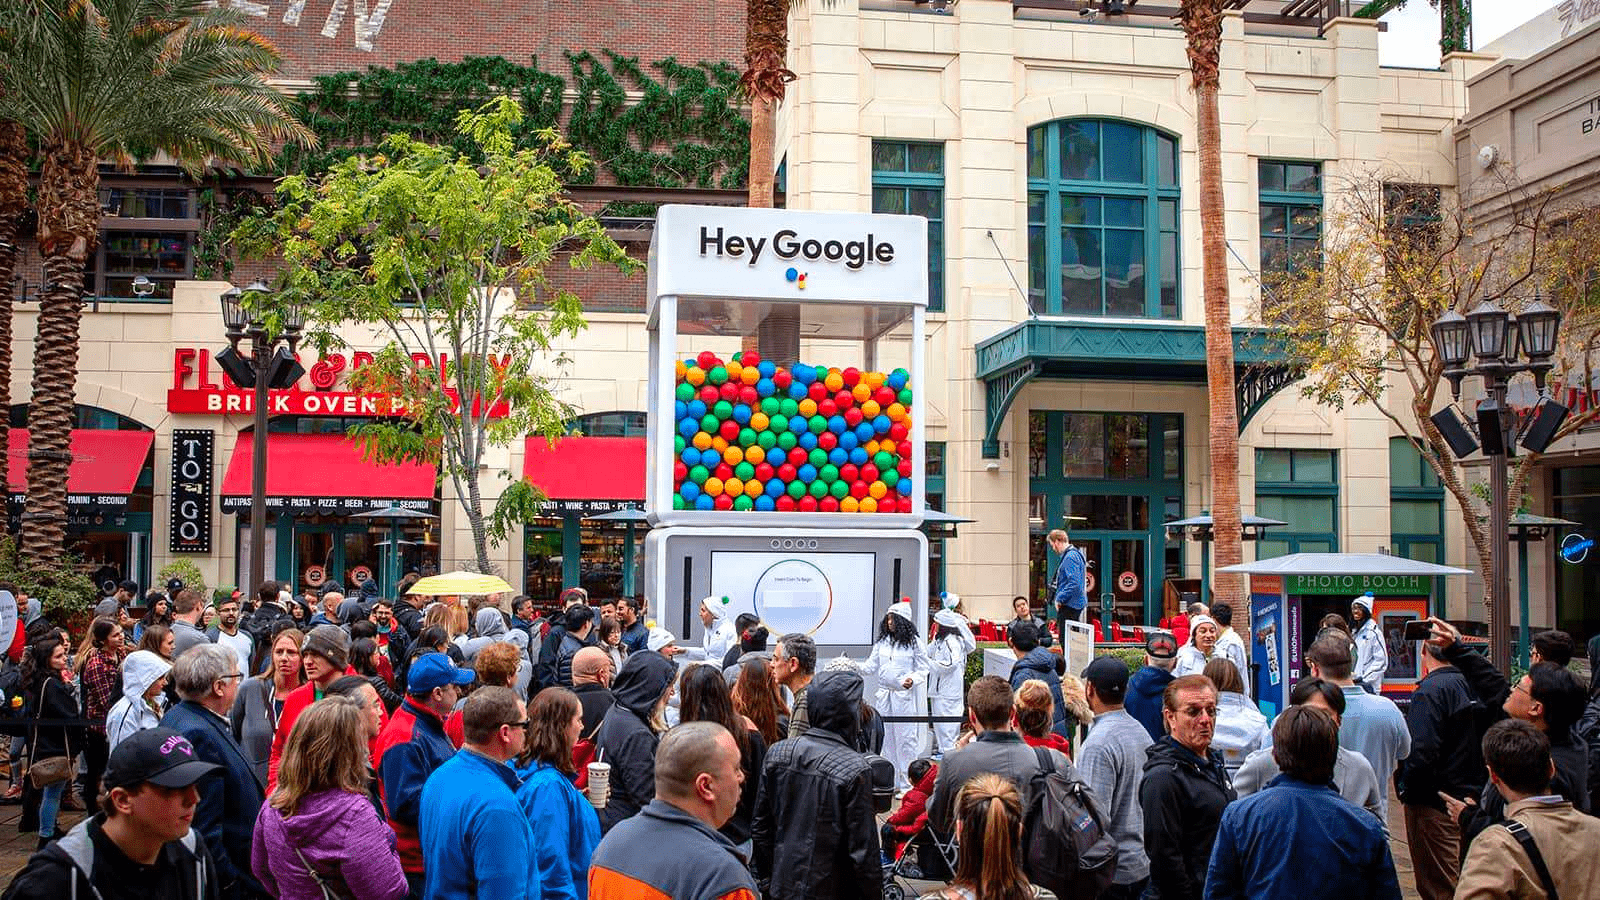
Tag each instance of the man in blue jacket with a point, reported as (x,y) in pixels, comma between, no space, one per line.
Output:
(1146,686)
(207,678)
(476,841)
(1298,839)
(1035,662)
(1068,590)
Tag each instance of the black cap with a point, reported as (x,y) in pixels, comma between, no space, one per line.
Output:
(1161,645)
(174,585)
(158,756)
(1109,676)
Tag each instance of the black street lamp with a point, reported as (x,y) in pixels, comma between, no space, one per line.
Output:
(1504,346)
(269,365)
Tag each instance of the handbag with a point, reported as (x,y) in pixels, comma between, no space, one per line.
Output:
(52,769)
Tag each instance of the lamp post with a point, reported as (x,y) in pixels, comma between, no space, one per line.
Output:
(269,365)
(1503,347)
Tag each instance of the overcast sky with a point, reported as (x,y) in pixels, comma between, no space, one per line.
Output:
(1413,35)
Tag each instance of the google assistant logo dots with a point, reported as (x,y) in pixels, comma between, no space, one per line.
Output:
(795,276)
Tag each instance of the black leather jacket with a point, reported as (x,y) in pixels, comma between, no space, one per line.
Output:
(1182,797)
(815,833)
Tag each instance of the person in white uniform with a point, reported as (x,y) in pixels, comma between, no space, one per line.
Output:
(947,665)
(898,668)
(1371,658)
(1229,645)
(1202,642)
(719,637)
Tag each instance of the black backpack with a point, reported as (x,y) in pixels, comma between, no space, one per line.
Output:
(1065,846)
(14,706)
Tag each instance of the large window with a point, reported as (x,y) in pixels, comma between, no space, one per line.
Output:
(1102,220)
(610,424)
(1291,215)
(1416,504)
(908,178)
(148,232)
(1300,487)
(933,486)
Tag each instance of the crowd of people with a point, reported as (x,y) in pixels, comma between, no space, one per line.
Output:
(354,746)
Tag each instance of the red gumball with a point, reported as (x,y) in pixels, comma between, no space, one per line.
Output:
(844,400)
(898,431)
(904,468)
(709,395)
(764,472)
(729,391)
(785,503)
(885,397)
(749,359)
(852,417)
(817,391)
(729,431)
(858,489)
(807,503)
(887,505)
(797,458)
(723,501)
(707,360)
(748,395)
(781,379)
(827,440)
(786,473)
(827,408)
(851,376)
(723,471)
(827,504)
(905,450)
(679,471)
(869,473)
(848,472)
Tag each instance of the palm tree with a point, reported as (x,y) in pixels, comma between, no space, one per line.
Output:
(13,203)
(1202,24)
(109,81)
(766,44)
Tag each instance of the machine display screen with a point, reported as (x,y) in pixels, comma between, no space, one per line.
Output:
(825,595)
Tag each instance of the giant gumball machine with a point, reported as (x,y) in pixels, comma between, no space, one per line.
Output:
(785,424)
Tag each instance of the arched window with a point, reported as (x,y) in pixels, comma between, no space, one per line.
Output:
(1102,220)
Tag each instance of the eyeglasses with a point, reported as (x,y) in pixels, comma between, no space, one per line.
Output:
(523,724)
(226,677)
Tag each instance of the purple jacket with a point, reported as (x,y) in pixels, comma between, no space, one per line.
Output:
(343,838)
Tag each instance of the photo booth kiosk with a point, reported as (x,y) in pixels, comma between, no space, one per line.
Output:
(785,425)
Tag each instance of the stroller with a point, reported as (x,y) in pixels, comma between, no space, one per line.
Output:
(926,856)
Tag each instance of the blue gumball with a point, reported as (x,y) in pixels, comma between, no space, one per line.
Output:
(690,457)
(741,414)
(704,502)
(803,374)
(710,458)
(687,427)
(837,424)
(864,432)
(765,387)
(806,473)
(689,490)
(797,391)
(903,486)
(896,380)
(838,456)
(696,409)
(880,425)
(859,457)
(767,368)
(774,488)
(765,503)
(808,441)
(849,441)
(680,409)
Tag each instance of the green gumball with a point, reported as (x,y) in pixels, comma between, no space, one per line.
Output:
(904,397)
(885,460)
(685,392)
(747,437)
(778,423)
(709,423)
(797,489)
(677,501)
(722,410)
(678,445)
(817,457)
(743,503)
(699,474)
(889,477)
(828,473)
(787,440)
(717,375)
(744,471)
(766,440)
(839,490)
(789,407)
(819,489)
(770,406)
(818,424)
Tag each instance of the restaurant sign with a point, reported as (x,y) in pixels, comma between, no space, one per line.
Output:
(328,505)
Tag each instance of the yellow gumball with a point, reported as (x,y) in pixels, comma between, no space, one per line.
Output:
(678,369)
(735,371)
(868,505)
(877,489)
(752,488)
(862,393)
(887,446)
(833,382)
(701,440)
(733,456)
(733,487)
(750,375)
(896,412)
(808,407)
(871,447)
(873,380)
(870,409)
(759,421)
(695,376)
(712,487)
(849,504)
(719,443)
(754,454)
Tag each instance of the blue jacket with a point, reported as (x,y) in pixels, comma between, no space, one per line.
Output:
(1067,589)
(229,799)
(1041,664)
(1143,700)
(475,840)
(565,830)
(1300,841)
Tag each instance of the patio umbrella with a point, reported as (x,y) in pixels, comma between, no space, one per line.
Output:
(455,583)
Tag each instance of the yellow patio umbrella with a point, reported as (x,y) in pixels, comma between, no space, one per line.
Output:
(455,583)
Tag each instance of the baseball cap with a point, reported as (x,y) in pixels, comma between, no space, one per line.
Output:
(1109,676)
(174,585)
(158,756)
(1161,646)
(433,670)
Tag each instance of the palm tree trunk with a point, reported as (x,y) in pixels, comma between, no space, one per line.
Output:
(13,202)
(1202,22)
(763,138)
(69,226)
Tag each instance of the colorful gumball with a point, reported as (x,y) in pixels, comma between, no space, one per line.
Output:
(849,472)
(759,421)
(678,443)
(768,369)
(806,473)
(774,488)
(678,502)
(710,458)
(808,441)
(728,392)
(887,446)
(734,369)
(718,375)
(778,423)
(689,491)
(817,391)
(750,376)
(699,474)
(725,502)
(679,367)
(782,379)
(719,444)
(904,467)
(679,471)
(701,440)
(766,440)
(868,505)
(784,504)
(837,424)
(884,460)
(828,472)
(858,489)
(708,395)
(827,408)
(747,436)
(904,487)
(788,407)
(797,391)
(695,376)
(729,431)
(807,504)
(889,505)
(704,502)
(898,431)
(889,478)
(883,396)
(869,472)
(833,382)
(733,456)
(844,400)
(764,472)
(851,376)
(881,423)
(895,412)
(804,373)
(755,454)
(786,472)
(828,441)
(770,406)
(743,503)
(818,489)
(797,457)
(838,456)
(852,417)
(733,486)
(861,393)
(713,486)
(817,424)
(689,457)
(796,489)
(687,428)
(744,471)
(723,471)
(870,410)
(706,359)
(848,504)
(787,440)
(875,490)
(765,387)
(722,409)
(685,392)
(859,457)
(898,379)
(807,407)
(764,503)
(904,397)
(828,505)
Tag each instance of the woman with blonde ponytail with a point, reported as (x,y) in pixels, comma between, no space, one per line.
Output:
(989,829)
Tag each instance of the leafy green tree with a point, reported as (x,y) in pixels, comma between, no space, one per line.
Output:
(445,253)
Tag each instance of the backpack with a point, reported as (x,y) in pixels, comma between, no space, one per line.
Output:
(1065,846)
(14,706)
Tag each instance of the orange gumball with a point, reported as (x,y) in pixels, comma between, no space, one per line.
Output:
(896,412)
(712,487)
(701,440)
(733,487)
(886,446)
(877,489)
(753,454)
(849,504)
(833,382)
(719,443)
(678,369)
(759,422)
(695,376)
(735,371)
(750,375)
(871,447)
(870,409)
(873,380)
(868,505)
(808,407)
(752,488)
(862,393)
(733,456)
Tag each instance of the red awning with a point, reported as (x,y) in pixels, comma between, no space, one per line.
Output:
(587,474)
(312,473)
(105,464)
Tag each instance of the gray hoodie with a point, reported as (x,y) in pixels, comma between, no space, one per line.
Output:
(133,713)
(490,627)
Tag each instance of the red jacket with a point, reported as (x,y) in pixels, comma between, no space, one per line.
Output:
(293,705)
(913,812)
(1053,741)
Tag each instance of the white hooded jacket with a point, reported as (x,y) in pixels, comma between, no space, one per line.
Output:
(133,713)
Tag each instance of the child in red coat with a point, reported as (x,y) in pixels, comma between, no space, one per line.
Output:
(912,816)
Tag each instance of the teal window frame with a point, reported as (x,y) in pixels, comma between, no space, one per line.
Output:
(1158,190)
(1276,194)
(1412,480)
(936,455)
(900,183)
(1292,536)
